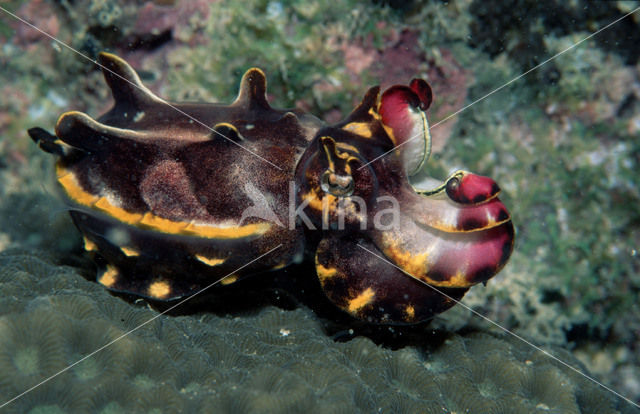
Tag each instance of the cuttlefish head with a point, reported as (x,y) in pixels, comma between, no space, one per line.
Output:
(353,183)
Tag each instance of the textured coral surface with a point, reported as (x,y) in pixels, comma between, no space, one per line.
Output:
(273,361)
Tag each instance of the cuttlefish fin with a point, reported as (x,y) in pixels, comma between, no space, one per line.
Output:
(126,87)
(82,132)
(253,90)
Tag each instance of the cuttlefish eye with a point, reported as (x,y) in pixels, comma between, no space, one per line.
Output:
(337,185)
(467,188)
(452,185)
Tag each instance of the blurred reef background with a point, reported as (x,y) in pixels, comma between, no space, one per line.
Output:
(563,142)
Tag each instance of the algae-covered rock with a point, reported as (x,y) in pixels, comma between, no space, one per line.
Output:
(114,356)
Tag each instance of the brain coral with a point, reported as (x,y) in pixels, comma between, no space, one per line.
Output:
(273,360)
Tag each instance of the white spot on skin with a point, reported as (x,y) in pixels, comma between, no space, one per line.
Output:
(138,116)
(298,258)
(118,237)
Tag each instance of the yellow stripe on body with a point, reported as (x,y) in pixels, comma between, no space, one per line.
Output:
(89,245)
(416,265)
(359,128)
(109,277)
(410,312)
(229,279)
(130,251)
(362,300)
(325,273)
(280,265)
(159,289)
(148,220)
(209,261)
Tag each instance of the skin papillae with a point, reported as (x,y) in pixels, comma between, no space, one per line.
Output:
(171,197)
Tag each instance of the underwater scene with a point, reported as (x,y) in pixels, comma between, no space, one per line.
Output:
(444,219)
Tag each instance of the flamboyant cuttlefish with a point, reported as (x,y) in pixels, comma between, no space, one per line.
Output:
(171,198)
